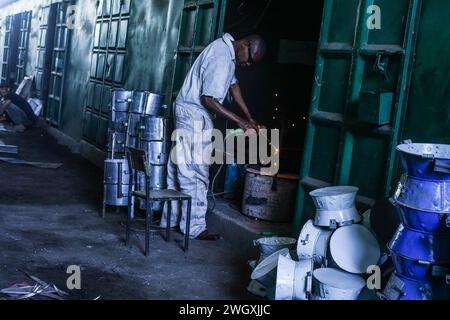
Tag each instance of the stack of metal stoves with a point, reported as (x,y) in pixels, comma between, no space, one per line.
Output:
(334,251)
(139,119)
(420,248)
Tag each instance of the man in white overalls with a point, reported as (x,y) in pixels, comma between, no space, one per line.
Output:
(201,97)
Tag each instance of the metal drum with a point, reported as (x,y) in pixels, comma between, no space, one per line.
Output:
(294,279)
(121,100)
(119,121)
(419,270)
(354,249)
(402,288)
(116,182)
(425,221)
(137,106)
(313,243)
(153,128)
(154,105)
(265,272)
(429,247)
(158,151)
(119,143)
(336,206)
(116,195)
(334,284)
(158,178)
(117,172)
(269,198)
(426,161)
(147,103)
(134,121)
(268,246)
(425,195)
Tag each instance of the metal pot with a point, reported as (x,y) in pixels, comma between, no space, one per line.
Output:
(334,284)
(153,128)
(336,206)
(268,246)
(426,161)
(121,100)
(419,270)
(354,248)
(415,245)
(294,279)
(313,243)
(424,195)
(424,221)
(158,151)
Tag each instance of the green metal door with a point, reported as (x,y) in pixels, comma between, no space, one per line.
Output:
(61,37)
(6,48)
(363,71)
(202,22)
(24,34)
(107,67)
(41,58)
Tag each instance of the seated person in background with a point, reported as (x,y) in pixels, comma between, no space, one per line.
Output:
(16,108)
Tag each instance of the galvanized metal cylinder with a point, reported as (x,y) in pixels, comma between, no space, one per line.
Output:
(153,128)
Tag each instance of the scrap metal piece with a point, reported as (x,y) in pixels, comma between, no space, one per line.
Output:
(41,165)
(9,149)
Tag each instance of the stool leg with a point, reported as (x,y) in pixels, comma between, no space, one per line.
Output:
(169,217)
(148,222)
(130,216)
(188,226)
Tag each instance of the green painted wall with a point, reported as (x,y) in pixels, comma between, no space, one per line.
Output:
(152,41)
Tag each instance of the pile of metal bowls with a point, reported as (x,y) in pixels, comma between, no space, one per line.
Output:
(139,119)
(420,248)
(333,252)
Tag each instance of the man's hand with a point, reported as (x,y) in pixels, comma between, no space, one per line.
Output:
(246,125)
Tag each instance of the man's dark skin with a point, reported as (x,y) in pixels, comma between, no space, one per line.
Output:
(248,51)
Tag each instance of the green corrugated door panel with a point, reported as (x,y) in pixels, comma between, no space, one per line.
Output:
(59,62)
(6,48)
(429,99)
(107,66)
(351,140)
(25,25)
(40,58)
(201,22)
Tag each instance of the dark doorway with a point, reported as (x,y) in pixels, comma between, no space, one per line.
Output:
(278,91)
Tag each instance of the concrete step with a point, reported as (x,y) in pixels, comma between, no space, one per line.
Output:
(240,231)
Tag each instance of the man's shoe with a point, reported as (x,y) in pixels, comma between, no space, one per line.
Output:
(206,236)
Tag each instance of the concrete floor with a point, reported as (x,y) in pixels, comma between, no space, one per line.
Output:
(50,219)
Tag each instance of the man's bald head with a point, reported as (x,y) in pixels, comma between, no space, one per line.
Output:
(250,50)
(258,46)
